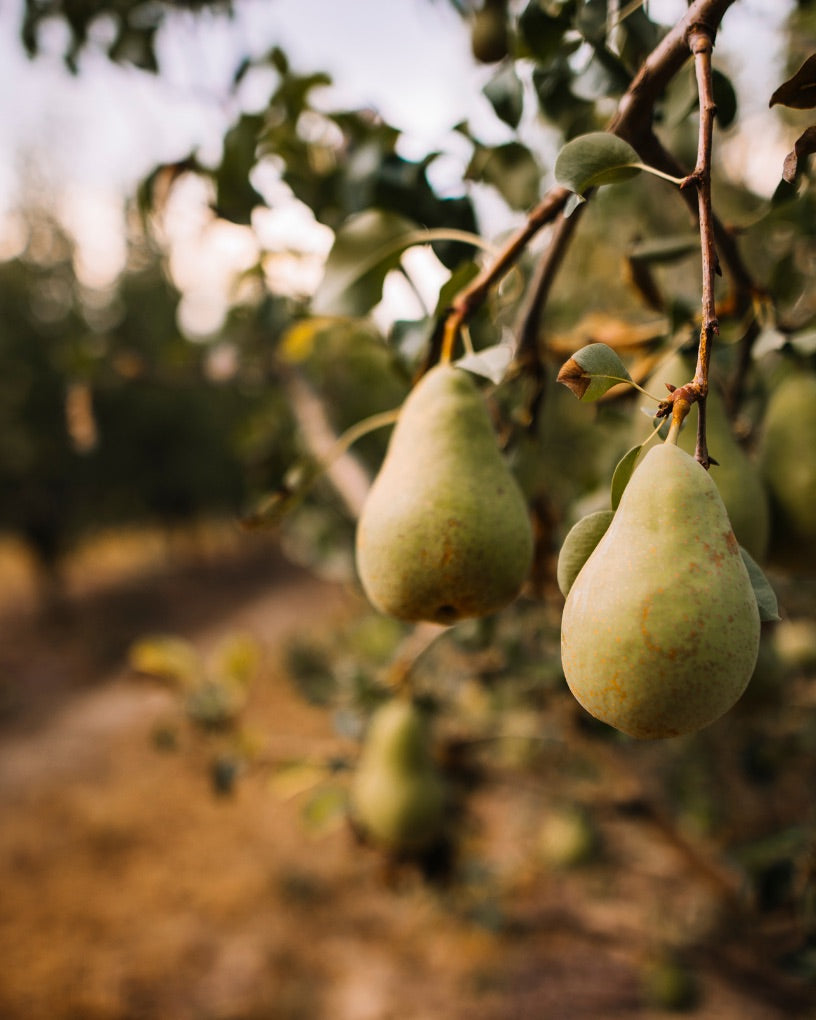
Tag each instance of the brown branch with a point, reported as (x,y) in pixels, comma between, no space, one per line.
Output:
(528,357)
(632,122)
(469,299)
(701,44)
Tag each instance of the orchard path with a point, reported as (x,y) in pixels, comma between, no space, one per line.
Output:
(130,891)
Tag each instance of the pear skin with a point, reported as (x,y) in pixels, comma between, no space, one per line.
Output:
(397,796)
(444,532)
(660,630)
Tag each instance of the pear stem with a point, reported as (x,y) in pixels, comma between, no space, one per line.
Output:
(680,408)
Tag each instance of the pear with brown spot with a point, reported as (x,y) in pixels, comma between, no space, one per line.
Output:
(660,630)
(444,532)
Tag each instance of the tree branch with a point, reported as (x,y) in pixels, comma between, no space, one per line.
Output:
(528,357)
(701,45)
(632,121)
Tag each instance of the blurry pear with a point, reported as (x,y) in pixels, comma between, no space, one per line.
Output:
(788,460)
(489,41)
(736,476)
(660,629)
(397,795)
(444,532)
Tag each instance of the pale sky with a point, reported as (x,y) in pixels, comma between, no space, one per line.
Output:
(92,137)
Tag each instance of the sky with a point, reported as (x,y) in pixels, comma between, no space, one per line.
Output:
(90,138)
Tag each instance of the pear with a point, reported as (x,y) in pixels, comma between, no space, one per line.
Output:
(397,795)
(444,532)
(789,462)
(735,474)
(660,629)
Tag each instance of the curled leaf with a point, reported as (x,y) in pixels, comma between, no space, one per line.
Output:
(593,370)
(665,249)
(804,146)
(798,92)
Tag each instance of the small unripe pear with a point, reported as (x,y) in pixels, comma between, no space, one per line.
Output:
(397,795)
(444,532)
(660,630)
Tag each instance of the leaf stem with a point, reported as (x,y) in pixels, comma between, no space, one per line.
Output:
(659,173)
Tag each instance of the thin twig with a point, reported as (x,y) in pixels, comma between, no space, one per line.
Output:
(701,44)
(633,118)
(528,357)
(472,296)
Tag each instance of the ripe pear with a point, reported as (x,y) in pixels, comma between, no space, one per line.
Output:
(660,630)
(788,459)
(444,532)
(735,474)
(397,795)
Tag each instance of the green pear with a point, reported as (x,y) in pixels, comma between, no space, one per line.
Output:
(397,795)
(660,629)
(737,478)
(788,459)
(444,532)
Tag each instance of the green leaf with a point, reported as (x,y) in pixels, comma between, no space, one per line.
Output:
(594,159)
(623,472)
(491,362)
(578,546)
(725,99)
(511,169)
(540,32)
(235,197)
(593,370)
(765,595)
(665,249)
(506,95)
(458,280)
(366,248)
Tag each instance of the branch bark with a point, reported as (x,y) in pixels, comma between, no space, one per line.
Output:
(701,44)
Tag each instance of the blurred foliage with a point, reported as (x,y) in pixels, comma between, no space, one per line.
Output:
(134,25)
(110,415)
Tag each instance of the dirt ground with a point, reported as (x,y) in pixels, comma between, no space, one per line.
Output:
(131,890)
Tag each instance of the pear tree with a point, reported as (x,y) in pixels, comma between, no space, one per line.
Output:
(639,267)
